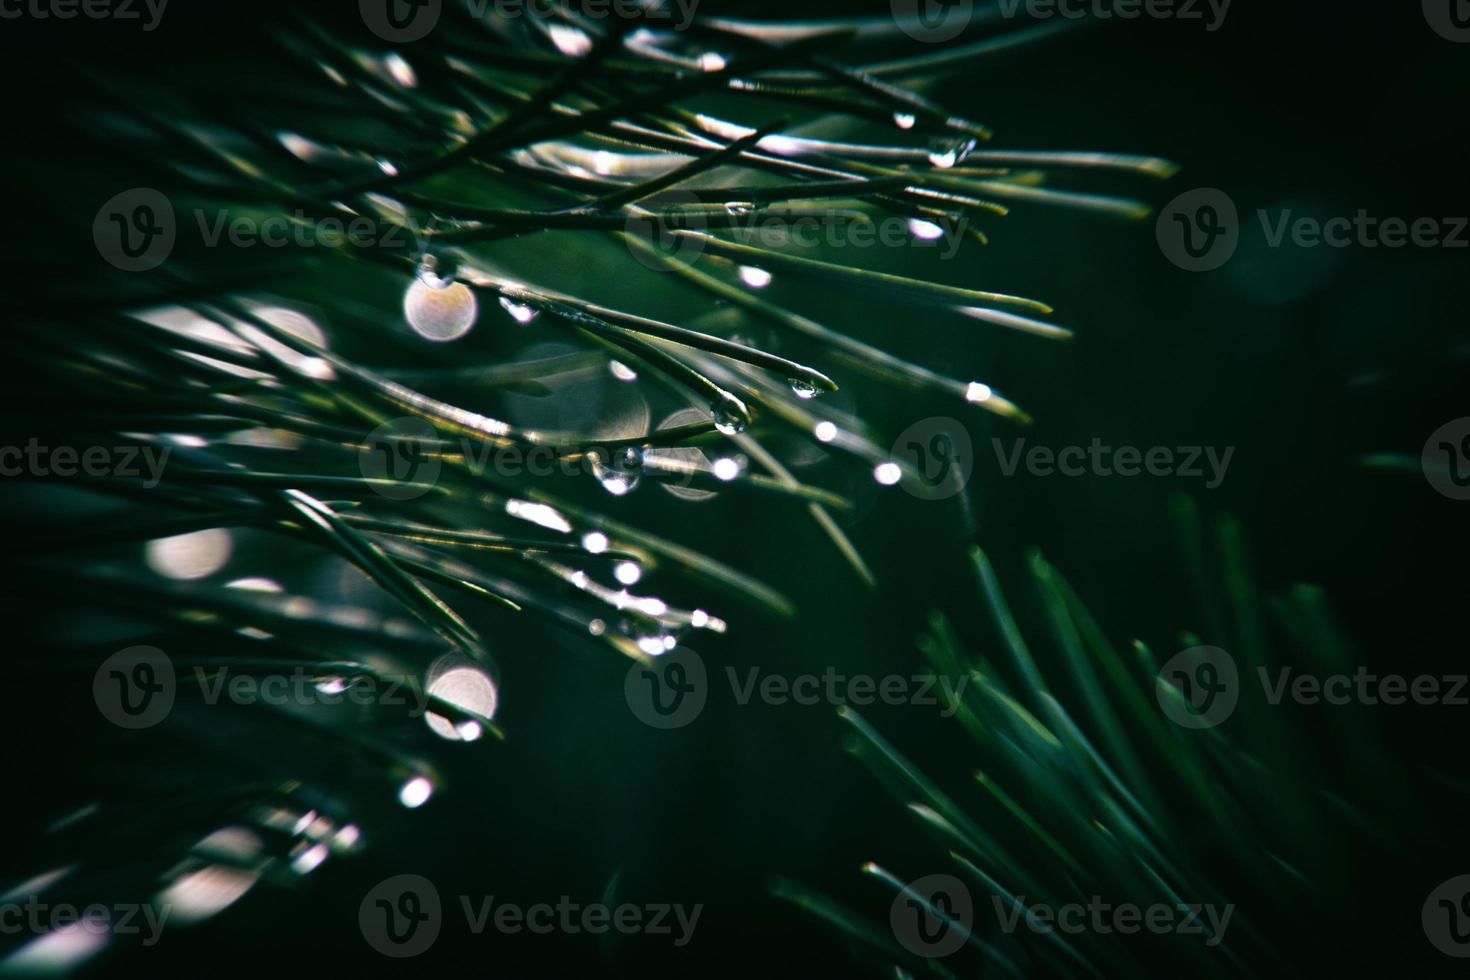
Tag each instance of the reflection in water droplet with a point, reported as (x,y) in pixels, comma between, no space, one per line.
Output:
(887,474)
(926,231)
(726,468)
(947,153)
(904,120)
(310,859)
(628,573)
(619,471)
(470,690)
(439,309)
(803,388)
(825,431)
(197,554)
(726,419)
(400,70)
(755,278)
(570,41)
(595,541)
(203,893)
(416,792)
(519,313)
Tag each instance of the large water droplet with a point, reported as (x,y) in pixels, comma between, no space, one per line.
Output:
(439,309)
(947,153)
(619,471)
(803,388)
(727,421)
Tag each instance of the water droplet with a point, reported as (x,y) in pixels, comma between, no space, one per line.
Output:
(727,421)
(627,572)
(618,471)
(570,41)
(947,153)
(904,120)
(978,392)
(726,468)
(739,207)
(416,792)
(803,388)
(595,542)
(621,371)
(926,231)
(520,313)
(943,158)
(825,431)
(887,474)
(439,309)
(754,278)
(712,61)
